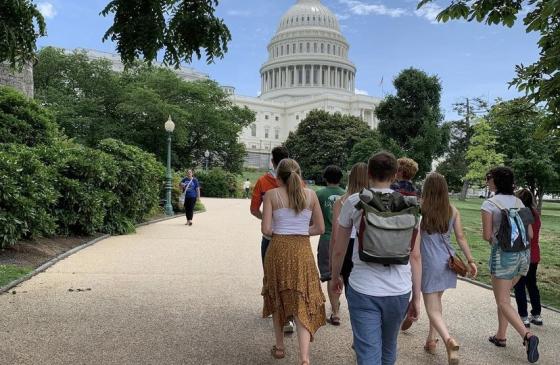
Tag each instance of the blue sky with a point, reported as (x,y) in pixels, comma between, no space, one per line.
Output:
(386,36)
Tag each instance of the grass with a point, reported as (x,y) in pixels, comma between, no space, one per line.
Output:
(548,273)
(9,273)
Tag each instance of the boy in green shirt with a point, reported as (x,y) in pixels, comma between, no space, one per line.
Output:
(327,197)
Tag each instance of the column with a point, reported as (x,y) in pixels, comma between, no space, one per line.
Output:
(312,78)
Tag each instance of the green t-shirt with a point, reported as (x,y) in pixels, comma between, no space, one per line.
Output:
(327,197)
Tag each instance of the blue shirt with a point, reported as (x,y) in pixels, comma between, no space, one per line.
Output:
(191,187)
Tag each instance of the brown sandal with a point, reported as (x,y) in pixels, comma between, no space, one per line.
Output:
(334,320)
(278,353)
(452,351)
(430,346)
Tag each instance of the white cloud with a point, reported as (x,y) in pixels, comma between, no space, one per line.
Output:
(342,16)
(47,9)
(361,92)
(361,8)
(239,12)
(429,11)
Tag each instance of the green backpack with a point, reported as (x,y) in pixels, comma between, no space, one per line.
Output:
(387,227)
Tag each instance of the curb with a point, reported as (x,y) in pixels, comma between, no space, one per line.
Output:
(489,287)
(64,255)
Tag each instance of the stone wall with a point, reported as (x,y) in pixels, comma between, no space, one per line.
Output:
(22,81)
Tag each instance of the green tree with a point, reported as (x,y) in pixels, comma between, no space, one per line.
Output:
(181,27)
(533,156)
(91,102)
(363,150)
(323,139)
(481,153)
(454,167)
(540,80)
(141,28)
(413,118)
(22,24)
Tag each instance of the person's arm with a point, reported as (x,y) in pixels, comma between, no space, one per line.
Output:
(318,224)
(530,232)
(335,215)
(462,242)
(256,201)
(487,226)
(416,268)
(341,241)
(266,223)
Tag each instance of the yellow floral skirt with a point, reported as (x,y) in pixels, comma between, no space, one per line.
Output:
(291,282)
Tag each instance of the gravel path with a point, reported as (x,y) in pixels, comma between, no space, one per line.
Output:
(172,294)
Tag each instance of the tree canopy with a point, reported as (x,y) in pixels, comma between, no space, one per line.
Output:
(412,118)
(540,80)
(331,136)
(22,24)
(91,102)
(180,27)
(140,29)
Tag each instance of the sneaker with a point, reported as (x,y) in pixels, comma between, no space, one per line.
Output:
(289,327)
(526,322)
(537,320)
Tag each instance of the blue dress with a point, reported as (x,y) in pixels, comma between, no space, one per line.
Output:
(436,274)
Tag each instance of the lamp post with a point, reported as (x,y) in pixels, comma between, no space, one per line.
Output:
(206,155)
(169,128)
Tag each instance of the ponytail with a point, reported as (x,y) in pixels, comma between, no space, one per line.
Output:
(289,172)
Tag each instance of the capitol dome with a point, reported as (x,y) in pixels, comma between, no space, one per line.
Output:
(308,55)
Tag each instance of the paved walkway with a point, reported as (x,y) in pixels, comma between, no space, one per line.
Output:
(172,294)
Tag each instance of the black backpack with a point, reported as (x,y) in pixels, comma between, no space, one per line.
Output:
(512,234)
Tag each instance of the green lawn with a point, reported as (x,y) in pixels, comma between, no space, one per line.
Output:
(9,273)
(549,267)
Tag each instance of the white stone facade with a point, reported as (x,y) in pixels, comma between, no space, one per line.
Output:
(307,68)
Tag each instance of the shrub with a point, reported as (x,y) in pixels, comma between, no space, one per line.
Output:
(85,178)
(26,193)
(217,183)
(138,187)
(23,121)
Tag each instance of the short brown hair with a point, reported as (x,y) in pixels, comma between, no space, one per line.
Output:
(407,167)
(382,166)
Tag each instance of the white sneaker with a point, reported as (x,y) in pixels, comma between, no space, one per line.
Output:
(537,320)
(526,322)
(289,327)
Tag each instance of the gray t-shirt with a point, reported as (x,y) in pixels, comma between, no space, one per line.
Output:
(506,201)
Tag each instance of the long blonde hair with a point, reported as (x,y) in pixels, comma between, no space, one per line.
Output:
(436,209)
(358,178)
(290,173)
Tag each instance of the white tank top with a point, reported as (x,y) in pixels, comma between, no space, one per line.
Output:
(287,222)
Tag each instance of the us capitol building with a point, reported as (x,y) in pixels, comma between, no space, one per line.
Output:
(307,68)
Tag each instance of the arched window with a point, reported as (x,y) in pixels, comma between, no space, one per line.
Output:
(328,48)
(281,50)
(301,48)
(322,48)
(294,48)
(253,130)
(287,49)
(308,47)
(266,131)
(276,133)
(315,47)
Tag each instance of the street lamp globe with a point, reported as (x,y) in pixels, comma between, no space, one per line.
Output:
(169,125)
(206,153)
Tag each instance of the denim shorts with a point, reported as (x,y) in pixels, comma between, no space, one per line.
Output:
(508,265)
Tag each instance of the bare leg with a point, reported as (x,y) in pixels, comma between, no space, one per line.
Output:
(304,340)
(506,312)
(334,298)
(433,305)
(278,331)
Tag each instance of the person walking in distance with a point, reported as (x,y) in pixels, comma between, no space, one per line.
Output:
(291,214)
(247,188)
(530,280)
(379,286)
(507,227)
(265,183)
(327,197)
(191,189)
(439,219)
